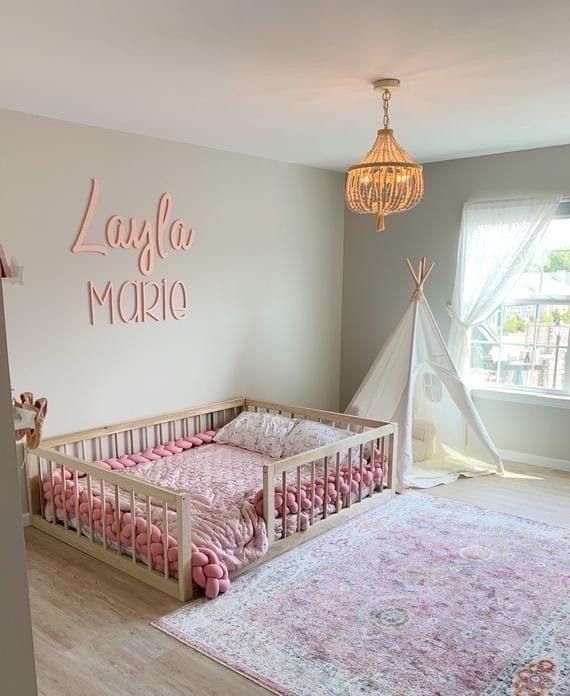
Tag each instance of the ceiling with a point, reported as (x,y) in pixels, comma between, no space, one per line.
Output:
(290,79)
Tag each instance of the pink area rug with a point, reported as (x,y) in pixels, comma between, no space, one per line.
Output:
(418,597)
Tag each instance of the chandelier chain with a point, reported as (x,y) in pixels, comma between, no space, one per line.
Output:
(386,96)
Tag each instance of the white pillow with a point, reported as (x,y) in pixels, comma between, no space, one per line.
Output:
(308,435)
(258,432)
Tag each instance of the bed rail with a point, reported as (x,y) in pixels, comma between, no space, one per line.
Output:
(135,507)
(336,420)
(362,463)
(115,439)
(70,458)
(133,517)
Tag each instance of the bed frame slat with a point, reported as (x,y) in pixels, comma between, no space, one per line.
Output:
(133,527)
(90,506)
(64,496)
(349,496)
(103,513)
(299,510)
(284,504)
(165,537)
(118,517)
(338,481)
(326,487)
(361,482)
(148,531)
(312,515)
(76,499)
(40,486)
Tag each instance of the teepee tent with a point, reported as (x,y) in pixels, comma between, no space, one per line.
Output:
(414,383)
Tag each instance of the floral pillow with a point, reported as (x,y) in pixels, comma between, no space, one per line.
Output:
(258,432)
(308,435)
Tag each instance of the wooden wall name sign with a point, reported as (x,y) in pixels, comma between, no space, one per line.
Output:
(137,301)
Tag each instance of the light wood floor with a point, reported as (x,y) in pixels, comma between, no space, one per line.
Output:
(91,623)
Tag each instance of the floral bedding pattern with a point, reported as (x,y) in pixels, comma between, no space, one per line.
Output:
(263,433)
(308,435)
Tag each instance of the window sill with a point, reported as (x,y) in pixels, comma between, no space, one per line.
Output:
(520,396)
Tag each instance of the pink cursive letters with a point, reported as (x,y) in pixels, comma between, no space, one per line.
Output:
(150,239)
(131,303)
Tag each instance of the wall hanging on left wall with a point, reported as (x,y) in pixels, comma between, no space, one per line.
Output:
(5,270)
(29,416)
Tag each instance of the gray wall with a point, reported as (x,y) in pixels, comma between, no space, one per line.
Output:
(264,275)
(17,673)
(377,286)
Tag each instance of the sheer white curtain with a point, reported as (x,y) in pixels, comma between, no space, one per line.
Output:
(498,239)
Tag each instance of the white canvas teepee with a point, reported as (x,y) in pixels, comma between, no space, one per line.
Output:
(413,382)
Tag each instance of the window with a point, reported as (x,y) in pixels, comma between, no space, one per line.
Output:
(525,344)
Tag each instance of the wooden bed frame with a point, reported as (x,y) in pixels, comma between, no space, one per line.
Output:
(76,452)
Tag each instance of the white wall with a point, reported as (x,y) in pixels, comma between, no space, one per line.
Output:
(377,286)
(17,672)
(264,275)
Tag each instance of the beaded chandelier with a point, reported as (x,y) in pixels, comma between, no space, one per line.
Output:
(387,180)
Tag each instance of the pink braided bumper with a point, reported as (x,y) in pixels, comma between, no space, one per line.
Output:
(325,492)
(208,571)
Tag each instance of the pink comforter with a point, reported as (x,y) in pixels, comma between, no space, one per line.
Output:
(219,480)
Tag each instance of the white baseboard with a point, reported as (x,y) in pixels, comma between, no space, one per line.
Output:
(535,460)
(26,519)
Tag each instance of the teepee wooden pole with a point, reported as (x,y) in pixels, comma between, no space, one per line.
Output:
(408,404)
(420,276)
(412,271)
(429,270)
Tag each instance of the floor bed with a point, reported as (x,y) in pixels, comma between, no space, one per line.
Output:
(203,514)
